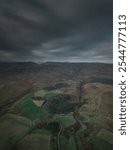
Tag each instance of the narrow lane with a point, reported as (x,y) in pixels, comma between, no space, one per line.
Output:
(58,137)
(83,126)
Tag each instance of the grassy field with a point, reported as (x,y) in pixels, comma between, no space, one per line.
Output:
(16,127)
(79,143)
(35,141)
(44,93)
(24,113)
(41,131)
(38,139)
(99,118)
(15,131)
(41,93)
(65,120)
(64,141)
(12,129)
(101,144)
(25,107)
(72,144)
(106,135)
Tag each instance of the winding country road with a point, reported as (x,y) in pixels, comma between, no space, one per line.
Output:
(83,126)
(58,137)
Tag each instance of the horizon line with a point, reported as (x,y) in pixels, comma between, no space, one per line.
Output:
(55,62)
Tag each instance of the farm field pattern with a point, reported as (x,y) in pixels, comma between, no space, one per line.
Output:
(56,106)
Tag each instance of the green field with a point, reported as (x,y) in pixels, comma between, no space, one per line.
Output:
(99,118)
(66,120)
(41,131)
(35,141)
(64,141)
(29,127)
(38,139)
(101,144)
(12,129)
(79,143)
(72,144)
(45,93)
(25,107)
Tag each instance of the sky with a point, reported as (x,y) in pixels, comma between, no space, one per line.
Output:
(56,30)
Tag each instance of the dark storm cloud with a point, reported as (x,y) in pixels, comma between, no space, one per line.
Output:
(56,30)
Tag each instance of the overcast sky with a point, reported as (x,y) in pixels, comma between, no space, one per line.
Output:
(56,30)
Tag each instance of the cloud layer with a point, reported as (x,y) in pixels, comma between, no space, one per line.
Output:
(56,30)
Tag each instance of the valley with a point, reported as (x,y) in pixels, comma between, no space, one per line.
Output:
(56,106)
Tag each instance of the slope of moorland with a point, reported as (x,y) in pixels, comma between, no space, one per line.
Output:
(56,106)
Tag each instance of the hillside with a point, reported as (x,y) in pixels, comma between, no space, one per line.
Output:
(69,106)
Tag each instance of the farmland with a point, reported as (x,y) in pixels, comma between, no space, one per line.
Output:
(52,110)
